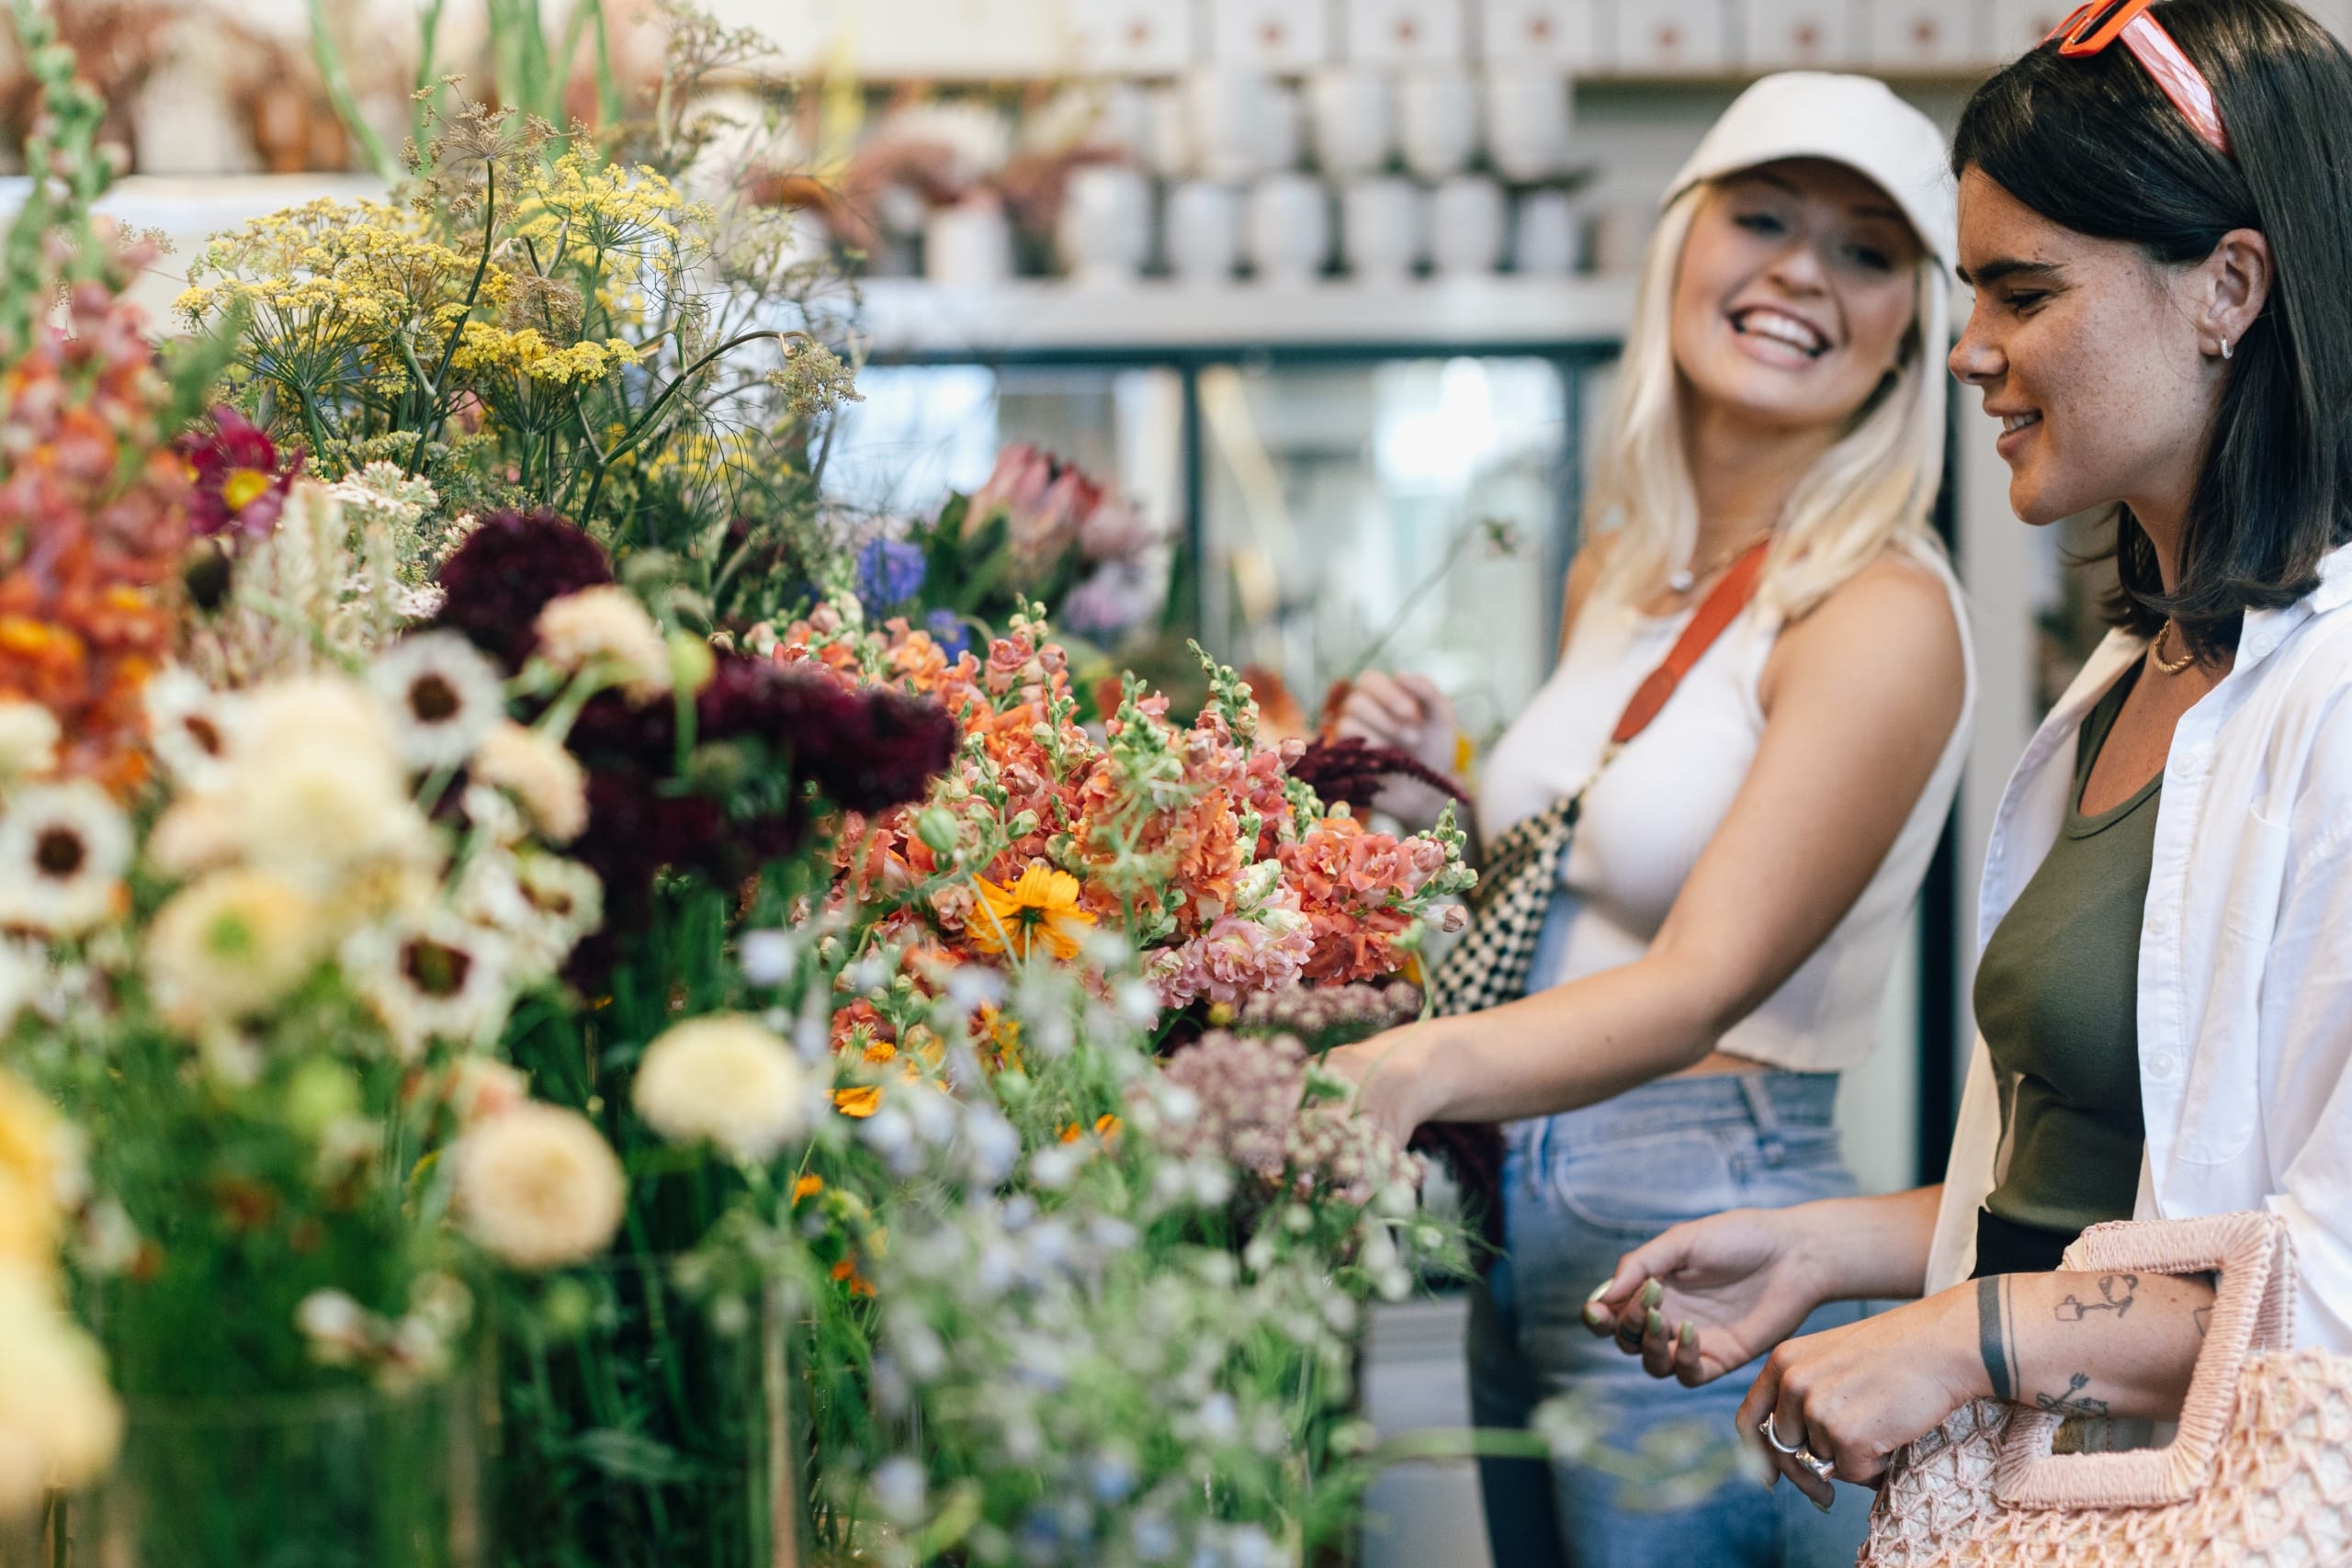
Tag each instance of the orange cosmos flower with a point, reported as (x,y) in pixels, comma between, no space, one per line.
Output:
(1042,906)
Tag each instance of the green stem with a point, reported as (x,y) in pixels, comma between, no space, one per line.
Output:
(436,413)
(339,94)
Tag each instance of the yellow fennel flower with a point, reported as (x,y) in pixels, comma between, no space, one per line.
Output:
(1042,906)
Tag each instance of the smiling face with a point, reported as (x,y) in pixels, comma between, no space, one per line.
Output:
(1797,288)
(2093,357)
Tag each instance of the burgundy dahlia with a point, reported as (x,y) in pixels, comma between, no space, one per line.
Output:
(865,749)
(509,569)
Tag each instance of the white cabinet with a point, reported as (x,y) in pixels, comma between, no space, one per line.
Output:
(1406,32)
(1542,32)
(1135,37)
(1782,35)
(1284,35)
(1673,38)
(1927,35)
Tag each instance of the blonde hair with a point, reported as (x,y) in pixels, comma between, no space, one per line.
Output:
(1871,492)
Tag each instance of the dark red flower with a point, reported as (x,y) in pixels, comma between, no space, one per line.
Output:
(238,483)
(508,569)
(867,749)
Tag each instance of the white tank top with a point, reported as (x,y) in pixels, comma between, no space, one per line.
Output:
(1654,809)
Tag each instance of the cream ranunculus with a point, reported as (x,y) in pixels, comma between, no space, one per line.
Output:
(318,794)
(29,735)
(725,1080)
(58,1422)
(537,1187)
(606,626)
(231,945)
(536,770)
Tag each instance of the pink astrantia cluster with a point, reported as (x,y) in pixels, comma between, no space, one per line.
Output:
(1253,1100)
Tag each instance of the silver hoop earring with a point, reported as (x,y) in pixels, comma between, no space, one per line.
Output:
(2225,348)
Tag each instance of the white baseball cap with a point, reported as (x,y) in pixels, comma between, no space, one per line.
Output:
(1853,120)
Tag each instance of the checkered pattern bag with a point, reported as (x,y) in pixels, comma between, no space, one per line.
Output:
(1489,965)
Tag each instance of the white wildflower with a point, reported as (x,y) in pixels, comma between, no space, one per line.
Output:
(64,849)
(441,696)
(28,735)
(536,770)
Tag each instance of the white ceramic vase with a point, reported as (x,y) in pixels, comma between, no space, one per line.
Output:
(1289,230)
(1384,229)
(1201,232)
(1467,218)
(1105,229)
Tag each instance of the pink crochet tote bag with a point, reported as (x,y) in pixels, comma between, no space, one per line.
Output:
(2259,1476)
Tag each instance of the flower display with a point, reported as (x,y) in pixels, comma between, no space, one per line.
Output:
(464,910)
(1195,844)
(538,1187)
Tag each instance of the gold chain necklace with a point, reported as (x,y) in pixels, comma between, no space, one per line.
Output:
(2156,651)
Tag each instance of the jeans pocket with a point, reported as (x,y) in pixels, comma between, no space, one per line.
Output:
(1637,1187)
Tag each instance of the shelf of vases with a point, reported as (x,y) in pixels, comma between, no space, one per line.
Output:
(910,320)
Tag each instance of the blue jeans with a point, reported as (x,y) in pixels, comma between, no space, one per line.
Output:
(1579,1190)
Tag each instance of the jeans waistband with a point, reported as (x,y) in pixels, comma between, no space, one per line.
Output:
(1769,1103)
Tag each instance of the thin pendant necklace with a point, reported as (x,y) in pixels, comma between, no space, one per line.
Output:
(2156,651)
(1684,581)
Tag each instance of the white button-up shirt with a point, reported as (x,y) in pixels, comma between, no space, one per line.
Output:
(2245,949)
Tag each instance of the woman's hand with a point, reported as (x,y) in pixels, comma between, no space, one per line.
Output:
(1407,714)
(1710,1295)
(1391,1075)
(1853,1396)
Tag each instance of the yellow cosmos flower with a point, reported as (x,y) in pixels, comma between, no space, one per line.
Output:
(1041,906)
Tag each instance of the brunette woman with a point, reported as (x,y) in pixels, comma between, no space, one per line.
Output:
(2157,215)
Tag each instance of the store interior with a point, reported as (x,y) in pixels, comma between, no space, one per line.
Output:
(1330,290)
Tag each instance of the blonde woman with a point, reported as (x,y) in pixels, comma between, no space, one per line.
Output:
(1731,901)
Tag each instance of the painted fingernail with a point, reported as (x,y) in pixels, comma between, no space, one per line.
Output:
(1656,1324)
(1818,1503)
(1688,1334)
(1601,1289)
(1653,1294)
(1596,1315)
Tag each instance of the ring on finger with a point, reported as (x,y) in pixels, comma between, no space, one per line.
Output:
(1773,1438)
(1813,1462)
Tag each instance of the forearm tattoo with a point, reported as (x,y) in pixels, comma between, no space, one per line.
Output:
(2071,1402)
(2117,1292)
(1995,1340)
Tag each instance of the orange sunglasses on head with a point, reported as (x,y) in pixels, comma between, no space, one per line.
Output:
(2091,28)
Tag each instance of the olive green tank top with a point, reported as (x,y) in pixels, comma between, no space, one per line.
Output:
(2057,999)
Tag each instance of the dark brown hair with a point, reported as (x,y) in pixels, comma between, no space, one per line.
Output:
(2092,144)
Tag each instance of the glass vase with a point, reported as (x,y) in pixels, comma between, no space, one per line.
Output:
(642,1429)
(354,1478)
